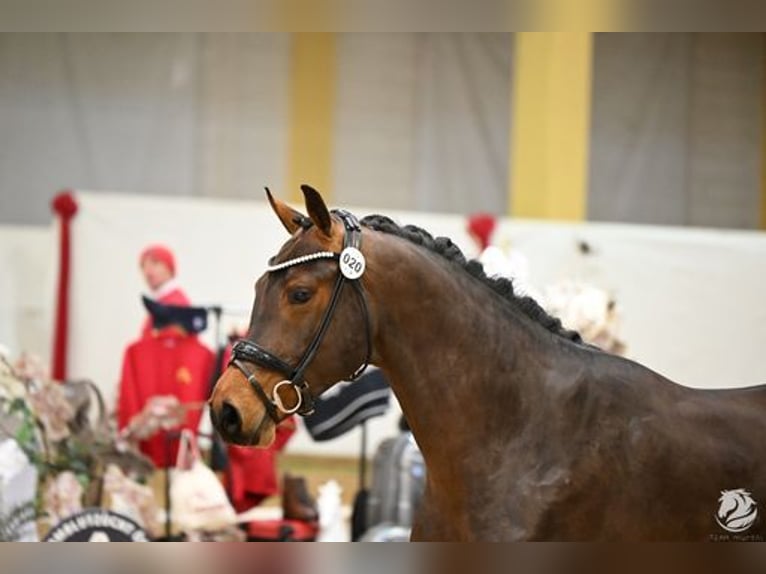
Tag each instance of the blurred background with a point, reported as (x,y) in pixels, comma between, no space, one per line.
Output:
(567,139)
(650,128)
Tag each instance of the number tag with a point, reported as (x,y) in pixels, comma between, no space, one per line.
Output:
(352,263)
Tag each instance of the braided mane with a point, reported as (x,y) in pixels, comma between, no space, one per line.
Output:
(444,247)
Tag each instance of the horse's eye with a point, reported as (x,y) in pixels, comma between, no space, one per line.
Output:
(300,295)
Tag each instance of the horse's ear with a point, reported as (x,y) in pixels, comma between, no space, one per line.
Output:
(289,217)
(317,210)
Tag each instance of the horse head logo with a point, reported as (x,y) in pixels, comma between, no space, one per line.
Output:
(737,511)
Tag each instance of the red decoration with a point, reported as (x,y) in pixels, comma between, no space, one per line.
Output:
(481,226)
(64,206)
(252,475)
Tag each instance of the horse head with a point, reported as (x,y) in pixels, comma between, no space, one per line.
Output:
(308,325)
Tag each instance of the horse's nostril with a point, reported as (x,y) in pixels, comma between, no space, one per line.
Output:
(230,419)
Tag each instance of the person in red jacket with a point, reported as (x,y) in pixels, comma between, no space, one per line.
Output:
(166,362)
(158,265)
(170,363)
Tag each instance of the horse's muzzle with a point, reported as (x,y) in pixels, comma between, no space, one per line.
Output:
(228,422)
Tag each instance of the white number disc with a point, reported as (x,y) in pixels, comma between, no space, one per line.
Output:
(352,263)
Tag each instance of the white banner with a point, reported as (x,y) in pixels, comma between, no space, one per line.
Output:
(692,300)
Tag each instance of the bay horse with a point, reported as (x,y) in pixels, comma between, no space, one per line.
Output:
(527,432)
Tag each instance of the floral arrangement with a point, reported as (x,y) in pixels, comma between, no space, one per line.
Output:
(591,311)
(161,412)
(63,495)
(132,499)
(78,460)
(35,412)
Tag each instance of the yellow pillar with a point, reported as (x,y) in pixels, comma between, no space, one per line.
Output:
(551,125)
(763,134)
(312,107)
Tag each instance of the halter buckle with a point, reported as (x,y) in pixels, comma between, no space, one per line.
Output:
(278,400)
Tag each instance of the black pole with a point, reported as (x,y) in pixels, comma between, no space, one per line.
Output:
(359,513)
(217,311)
(363,459)
(219,459)
(168,522)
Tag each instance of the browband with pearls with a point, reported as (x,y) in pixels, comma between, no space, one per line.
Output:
(302,260)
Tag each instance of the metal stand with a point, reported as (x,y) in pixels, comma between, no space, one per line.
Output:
(363,459)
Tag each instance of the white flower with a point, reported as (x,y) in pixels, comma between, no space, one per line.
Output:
(10,387)
(132,499)
(30,367)
(587,309)
(63,496)
(50,406)
(160,412)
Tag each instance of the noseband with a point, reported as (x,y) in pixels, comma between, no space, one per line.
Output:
(351,265)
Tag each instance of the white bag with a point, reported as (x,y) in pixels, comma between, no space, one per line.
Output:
(198,499)
(18,488)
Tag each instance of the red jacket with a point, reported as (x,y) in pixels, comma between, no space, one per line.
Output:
(253,471)
(168,363)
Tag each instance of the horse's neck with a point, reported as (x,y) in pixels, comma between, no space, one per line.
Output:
(458,357)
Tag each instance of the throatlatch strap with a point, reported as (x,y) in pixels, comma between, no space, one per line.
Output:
(368,330)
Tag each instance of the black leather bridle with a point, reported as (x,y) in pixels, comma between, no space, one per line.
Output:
(351,265)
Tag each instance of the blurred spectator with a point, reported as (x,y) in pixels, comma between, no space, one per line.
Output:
(158,266)
(167,364)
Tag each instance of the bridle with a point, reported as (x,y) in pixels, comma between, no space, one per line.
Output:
(351,264)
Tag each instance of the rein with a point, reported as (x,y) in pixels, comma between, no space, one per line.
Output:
(351,266)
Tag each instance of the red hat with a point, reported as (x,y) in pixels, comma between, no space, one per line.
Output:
(482,225)
(159,253)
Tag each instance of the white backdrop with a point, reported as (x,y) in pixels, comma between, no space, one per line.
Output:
(26,288)
(692,300)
